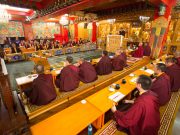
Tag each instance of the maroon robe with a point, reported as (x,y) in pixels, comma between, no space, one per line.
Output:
(69,78)
(178,61)
(39,47)
(147,50)
(124,57)
(174,74)
(118,63)
(87,72)
(138,53)
(104,66)
(143,118)
(27,46)
(161,86)
(15,50)
(43,90)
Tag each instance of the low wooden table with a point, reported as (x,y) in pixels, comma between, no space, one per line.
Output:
(69,121)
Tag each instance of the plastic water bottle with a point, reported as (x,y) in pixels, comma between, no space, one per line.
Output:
(90,130)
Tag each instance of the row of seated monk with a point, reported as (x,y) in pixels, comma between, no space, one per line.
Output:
(143,49)
(45,45)
(43,91)
(143,117)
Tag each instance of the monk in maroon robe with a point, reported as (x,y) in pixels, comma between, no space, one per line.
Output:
(161,84)
(143,118)
(139,52)
(173,71)
(43,91)
(123,55)
(118,62)
(69,76)
(147,50)
(87,72)
(104,66)
(178,61)
(15,49)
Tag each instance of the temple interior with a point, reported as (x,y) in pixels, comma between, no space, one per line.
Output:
(89,67)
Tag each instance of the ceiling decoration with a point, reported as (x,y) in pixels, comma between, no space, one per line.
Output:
(91,9)
(128,9)
(57,5)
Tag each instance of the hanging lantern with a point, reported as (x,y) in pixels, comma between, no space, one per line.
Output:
(64,20)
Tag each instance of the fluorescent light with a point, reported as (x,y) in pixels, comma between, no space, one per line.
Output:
(7,7)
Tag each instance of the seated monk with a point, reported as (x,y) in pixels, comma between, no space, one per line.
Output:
(69,76)
(143,118)
(48,46)
(123,55)
(117,62)
(177,56)
(42,91)
(104,66)
(139,52)
(15,49)
(87,72)
(27,45)
(147,50)
(56,45)
(161,84)
(38,47)
(173,71)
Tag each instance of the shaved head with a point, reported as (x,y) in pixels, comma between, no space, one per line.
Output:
(122,49)
(118,52)
(81,59)
(177,54)
(69,59)
(39,69)
(170,60)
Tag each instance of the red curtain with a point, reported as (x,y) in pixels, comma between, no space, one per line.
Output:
(76,32)
(65,35)
(94,29)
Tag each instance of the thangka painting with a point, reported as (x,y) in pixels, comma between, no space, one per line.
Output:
(158,31)
(11,29)
(42,29)
(113,43)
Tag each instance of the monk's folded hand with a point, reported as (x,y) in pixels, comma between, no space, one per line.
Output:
(128,101)
(113,108)
(153,79)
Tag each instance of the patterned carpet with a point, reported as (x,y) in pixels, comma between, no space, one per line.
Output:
(19,69)
(167,112)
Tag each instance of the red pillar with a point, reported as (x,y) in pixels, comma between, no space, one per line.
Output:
(76,32)
(94,32)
